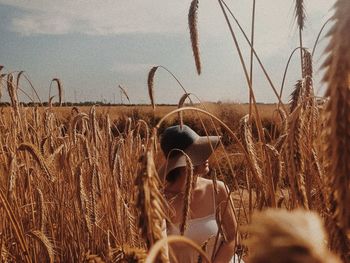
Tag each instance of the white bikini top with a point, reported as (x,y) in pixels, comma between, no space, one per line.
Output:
(201,230)
(198,229)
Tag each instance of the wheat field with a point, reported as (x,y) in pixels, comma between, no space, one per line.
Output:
(80,184)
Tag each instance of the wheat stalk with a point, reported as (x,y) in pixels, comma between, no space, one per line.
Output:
(124,92)
(23,73)
(337,76)
(19,233)
(252,56)
(300,17)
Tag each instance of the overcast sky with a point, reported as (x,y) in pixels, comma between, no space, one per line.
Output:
(93,46)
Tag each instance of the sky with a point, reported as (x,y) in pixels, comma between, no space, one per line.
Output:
(93,46)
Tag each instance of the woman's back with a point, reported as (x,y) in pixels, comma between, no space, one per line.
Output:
(204,229)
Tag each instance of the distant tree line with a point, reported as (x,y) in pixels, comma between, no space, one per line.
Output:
(77,104)
(91,103)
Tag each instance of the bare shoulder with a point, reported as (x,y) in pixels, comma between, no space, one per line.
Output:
(207,186)
(204,181)
(204,184)
(222,192)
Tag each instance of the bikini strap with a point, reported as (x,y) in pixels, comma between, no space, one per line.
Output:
(214,197)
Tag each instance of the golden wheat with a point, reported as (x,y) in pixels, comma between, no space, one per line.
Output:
(280,235)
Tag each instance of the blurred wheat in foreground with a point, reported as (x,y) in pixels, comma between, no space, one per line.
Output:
(281,236)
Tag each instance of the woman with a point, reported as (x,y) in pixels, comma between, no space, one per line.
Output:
(178,144)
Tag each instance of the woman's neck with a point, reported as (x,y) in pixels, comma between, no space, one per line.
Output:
(180,184)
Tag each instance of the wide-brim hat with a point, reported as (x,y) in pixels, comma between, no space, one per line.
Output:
(177,140)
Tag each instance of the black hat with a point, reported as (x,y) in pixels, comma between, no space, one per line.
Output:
(178,139)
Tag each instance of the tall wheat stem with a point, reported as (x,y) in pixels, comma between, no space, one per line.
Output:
(300,17)
(256,56)
(251,57)
(258,119)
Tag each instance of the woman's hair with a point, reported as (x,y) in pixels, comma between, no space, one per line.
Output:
(174,174)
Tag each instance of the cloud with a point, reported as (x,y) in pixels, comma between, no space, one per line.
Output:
(96,17)
(41,24)
(112,17)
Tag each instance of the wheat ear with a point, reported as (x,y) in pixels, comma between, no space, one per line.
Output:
(46,243)
(150,202)
(188,196)
(36,154)
(59,88)
(294,155)
(129,254)
(296,95)
(300,17)
(150,81)
(193,26)
(250,147)
(82,197)
(12,90)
